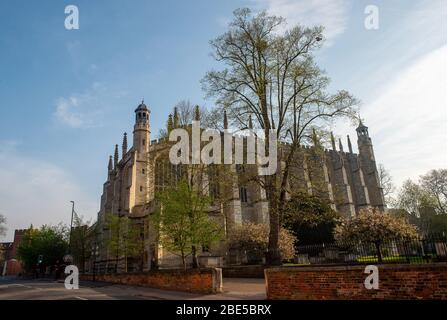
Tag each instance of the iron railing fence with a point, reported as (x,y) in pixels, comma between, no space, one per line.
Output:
(114,266)
(361,252)
(420,251)
(133,265)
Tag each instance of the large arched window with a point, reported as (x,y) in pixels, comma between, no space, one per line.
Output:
(167,174)
(213,181)
(243,194)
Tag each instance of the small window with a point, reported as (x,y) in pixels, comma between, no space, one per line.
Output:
(141,188)
(144,142)
(243,194)
(143,171)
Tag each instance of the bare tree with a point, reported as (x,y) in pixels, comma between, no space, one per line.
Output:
(272,77)
(435,183)
(386,182)
(81,241)
(414,199)
(185,111)
(182,115)
(2,225)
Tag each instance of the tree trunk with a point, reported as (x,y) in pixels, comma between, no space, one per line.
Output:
(183,260)
(125,263)
(273,256)
(195,263)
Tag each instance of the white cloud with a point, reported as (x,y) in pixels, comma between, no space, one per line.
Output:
(401,39)
(408,120)
(332,14)
(82,110)
(405,106)
(37,192)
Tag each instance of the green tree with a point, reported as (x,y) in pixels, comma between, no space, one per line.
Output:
(376,227)
(49,241)
(310,218)
(271,77)
(125,239)
(183,222)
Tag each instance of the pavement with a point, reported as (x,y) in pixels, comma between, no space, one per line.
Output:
(44,289)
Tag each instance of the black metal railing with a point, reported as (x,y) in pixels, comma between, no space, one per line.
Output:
(361,252)
(114,266)
(398,251)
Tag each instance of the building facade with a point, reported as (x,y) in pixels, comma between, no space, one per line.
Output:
(348,180)
(9,264)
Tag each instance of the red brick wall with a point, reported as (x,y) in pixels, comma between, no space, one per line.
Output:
(347,282)
(13,267)
(195,281)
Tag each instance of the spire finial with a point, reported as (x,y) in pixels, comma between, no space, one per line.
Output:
(360,121)
(250,122)
(340,145)
(170,123)
(110,167)
(314,137)
(225,120)
(333,141)
(197,113)
(124,144)
(116,156)
(349,145)
(176,117)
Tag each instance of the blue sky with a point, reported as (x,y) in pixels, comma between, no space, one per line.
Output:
(66,97)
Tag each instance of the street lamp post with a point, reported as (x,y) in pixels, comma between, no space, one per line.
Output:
(71,225)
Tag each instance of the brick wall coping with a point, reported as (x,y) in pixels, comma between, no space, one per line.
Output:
(161,271)
(206,280)
(440,265)
(396,281)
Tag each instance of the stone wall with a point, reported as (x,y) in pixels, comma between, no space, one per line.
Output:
(347,282)
(204,281)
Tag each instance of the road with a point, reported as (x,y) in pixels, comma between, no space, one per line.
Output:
(17,289)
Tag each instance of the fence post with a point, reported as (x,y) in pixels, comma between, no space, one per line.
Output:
(407,251)
(424,256)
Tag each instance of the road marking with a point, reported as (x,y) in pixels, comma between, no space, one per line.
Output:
(22,285)
(80,298)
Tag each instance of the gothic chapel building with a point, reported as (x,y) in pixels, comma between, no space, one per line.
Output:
(348,180)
